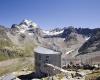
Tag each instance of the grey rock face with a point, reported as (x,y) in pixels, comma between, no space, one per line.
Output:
(92,45)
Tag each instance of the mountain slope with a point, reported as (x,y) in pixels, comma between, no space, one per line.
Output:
(26,35)
(10,49)
(92,45)
(90,50)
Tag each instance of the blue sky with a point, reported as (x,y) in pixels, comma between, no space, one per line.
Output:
(51,13)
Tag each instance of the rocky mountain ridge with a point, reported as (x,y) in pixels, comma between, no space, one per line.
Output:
(27,33)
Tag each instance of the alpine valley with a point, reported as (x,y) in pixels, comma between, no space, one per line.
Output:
(20,40)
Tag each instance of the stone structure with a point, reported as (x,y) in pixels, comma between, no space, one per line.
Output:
(45,56)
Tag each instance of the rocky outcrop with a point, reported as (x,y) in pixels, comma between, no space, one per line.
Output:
(92,45)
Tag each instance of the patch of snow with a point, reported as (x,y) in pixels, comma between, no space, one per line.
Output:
(52,33)
(68,52)
(29,23)
(22,31)
(87,38)
(34,24)
(26,25)
(23,26)
(46,32)
(30,34)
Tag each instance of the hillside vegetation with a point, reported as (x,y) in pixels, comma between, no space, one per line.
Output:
(9,50)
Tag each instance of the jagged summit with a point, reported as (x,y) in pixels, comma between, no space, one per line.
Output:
(28,22)
(25,25)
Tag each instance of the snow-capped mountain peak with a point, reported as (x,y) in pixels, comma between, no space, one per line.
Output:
(26,21)
(26,25)
(29,23)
